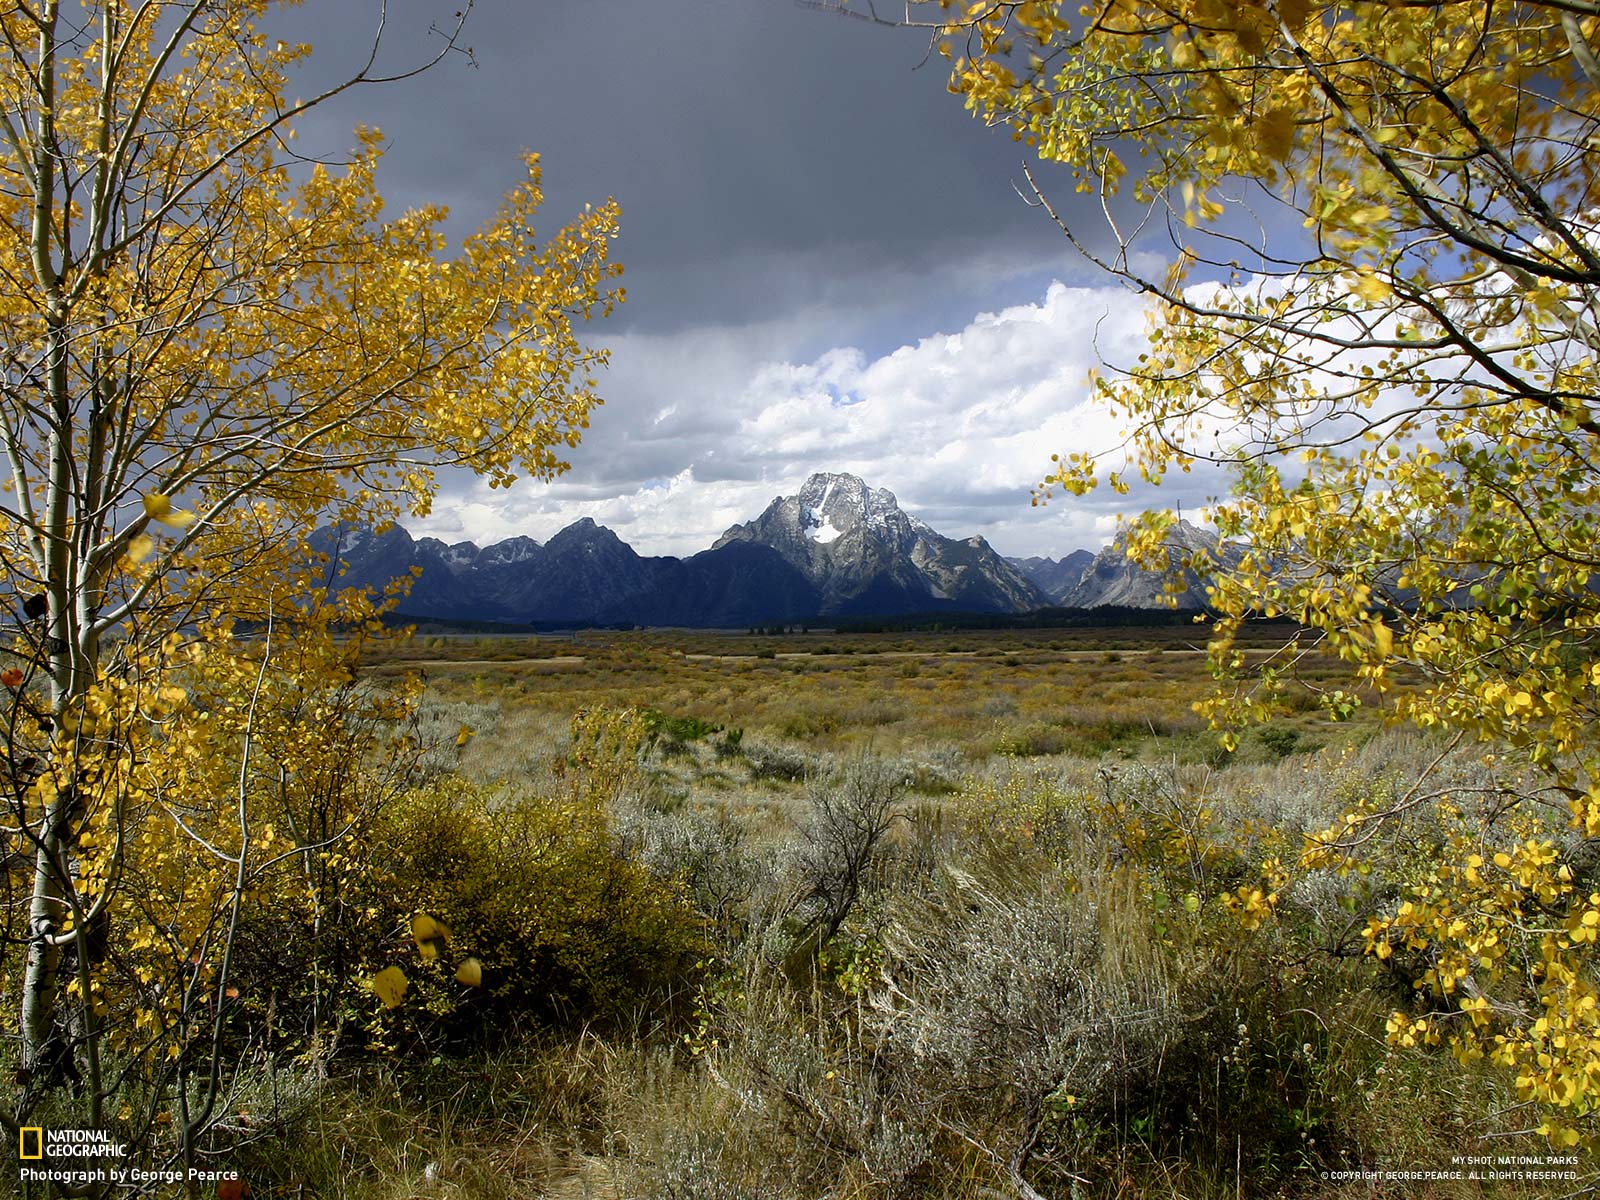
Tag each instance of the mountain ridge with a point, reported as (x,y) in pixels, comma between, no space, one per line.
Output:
(836,548)
(854,541)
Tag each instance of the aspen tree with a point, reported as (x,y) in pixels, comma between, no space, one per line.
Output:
(1383,314)
(209,345)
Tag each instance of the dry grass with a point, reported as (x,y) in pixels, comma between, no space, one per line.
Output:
(983,693)
(923,1047)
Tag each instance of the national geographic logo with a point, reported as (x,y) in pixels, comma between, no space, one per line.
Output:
(79,1158)
(36,1143)
(92,1158)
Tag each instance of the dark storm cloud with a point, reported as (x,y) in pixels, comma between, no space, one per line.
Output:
(766,155)
(827,265)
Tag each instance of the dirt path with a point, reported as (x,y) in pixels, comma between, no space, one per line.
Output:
(1034,656)
(560,660)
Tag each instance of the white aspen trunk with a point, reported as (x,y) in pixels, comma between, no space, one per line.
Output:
(48,907)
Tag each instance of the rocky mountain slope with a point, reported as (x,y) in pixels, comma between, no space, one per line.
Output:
(868,557)
(1112,579)
(836,548)
(1055,577)
(584,575)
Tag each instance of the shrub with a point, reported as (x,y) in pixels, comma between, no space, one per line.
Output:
(938,770)
(842,840)
(1010,988)
(778,762)
(680,729)
(703,852)
(566,929)
(730,745)
(804,726)
(695,1168)
(1032,740)
(1001,704)
(1279,740)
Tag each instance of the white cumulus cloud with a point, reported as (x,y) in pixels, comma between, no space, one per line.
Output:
(702,429)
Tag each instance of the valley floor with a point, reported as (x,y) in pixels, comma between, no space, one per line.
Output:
(972,917)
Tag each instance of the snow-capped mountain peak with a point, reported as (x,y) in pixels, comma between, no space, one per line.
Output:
(835,548)
(861,550)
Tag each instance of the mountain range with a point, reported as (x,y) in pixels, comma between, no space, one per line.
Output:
(837,548)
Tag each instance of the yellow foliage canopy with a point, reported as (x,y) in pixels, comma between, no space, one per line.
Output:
(211,345)
(1381,316)
(208,332)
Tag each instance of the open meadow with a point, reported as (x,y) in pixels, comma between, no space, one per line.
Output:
(938,914)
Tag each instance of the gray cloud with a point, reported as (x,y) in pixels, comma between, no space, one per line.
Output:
(810,229)
(766,155)
(703,429)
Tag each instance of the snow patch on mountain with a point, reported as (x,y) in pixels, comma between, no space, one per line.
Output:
(824,533)
(888,557)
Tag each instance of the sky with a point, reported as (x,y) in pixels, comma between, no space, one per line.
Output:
(828,266)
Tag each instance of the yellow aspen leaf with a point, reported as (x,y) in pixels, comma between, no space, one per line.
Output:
(1383,638)
(470,973)
(432,937)
(1543,298)
(1370,288)
(158,507)
(389,986)
(1275,133)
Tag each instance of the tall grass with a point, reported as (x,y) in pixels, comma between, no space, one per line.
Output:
(962,940)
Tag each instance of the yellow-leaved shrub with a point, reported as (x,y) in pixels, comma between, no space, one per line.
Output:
(563,927)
